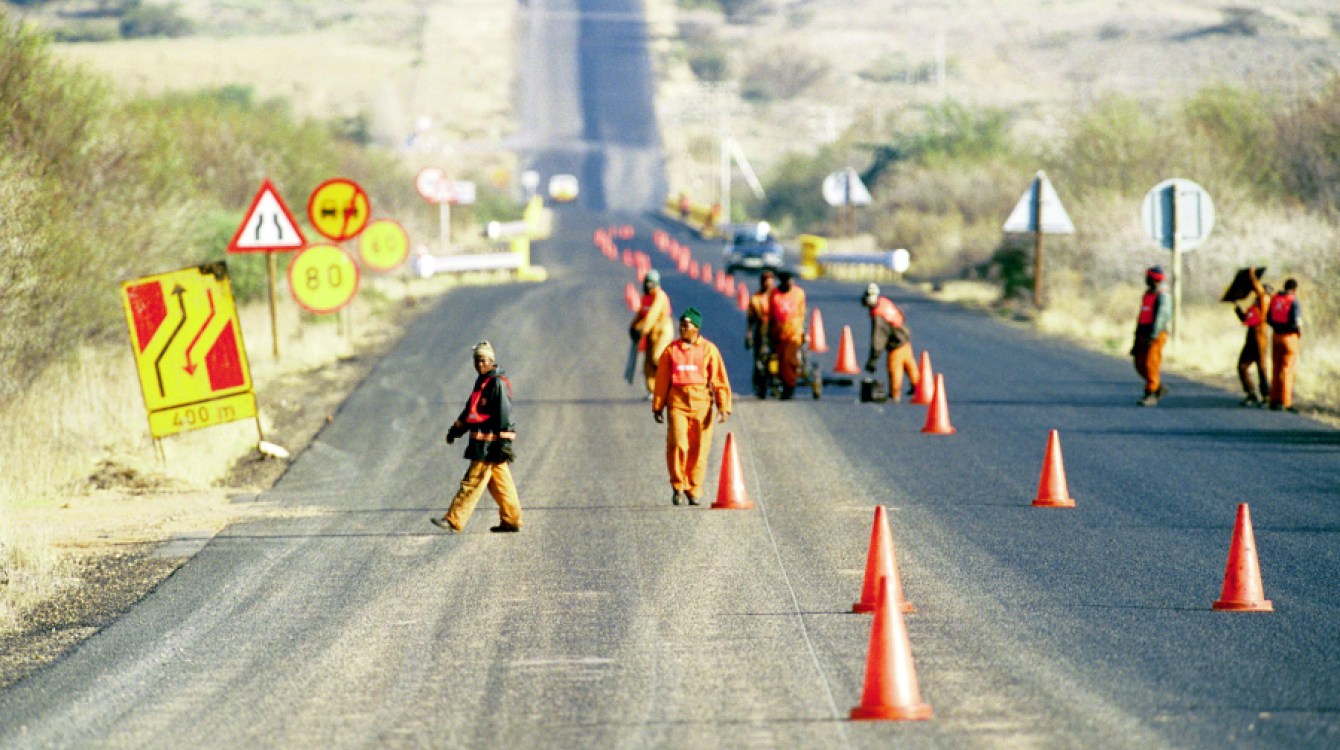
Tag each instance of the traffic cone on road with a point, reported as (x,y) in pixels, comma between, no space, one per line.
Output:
(818,342)
(707,273)
(631,298)
(742,297)
(925,381)
(891,691)
(846,361)
(1243,591)
(937,417)
(627,257)
(881,564)
(728,286)
(730,488)
(1052,491)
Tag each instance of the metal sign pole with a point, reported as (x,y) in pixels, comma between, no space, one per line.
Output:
(274,314)
(444,213)
(1037,244)
(1176,266)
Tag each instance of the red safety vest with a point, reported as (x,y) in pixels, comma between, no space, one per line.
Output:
(688,363)
(647,299)
(885,309)
(1280,307)
(782,305)
(1252,317)
(1147,304)
(474,417)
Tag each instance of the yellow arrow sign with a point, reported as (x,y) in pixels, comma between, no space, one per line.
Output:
(188,349)
(323,278)
(338,209)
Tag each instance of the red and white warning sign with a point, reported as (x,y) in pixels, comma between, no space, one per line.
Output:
(269,225)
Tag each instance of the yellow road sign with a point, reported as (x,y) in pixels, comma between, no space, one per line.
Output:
(383,245)
(323,278)
(338,209)
(188,349)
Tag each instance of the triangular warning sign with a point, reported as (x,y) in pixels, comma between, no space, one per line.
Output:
(1024,217)
(269,225)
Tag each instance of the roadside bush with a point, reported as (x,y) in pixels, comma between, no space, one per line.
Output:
(781,74)
(143,21)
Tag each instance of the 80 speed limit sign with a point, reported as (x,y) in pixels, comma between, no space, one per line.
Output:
(323,278)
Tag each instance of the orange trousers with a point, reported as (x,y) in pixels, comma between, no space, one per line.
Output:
(1148,355)
(689,438)
(1284,350)
(497,478)
(788,359)
(901,361)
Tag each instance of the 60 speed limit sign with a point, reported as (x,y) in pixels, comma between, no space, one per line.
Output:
(323,278)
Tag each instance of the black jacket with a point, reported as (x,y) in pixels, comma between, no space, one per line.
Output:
(487,418)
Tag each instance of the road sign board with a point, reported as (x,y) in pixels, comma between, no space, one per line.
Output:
(465,192)
(188,349)
(383,245)
(1177,214)
(1024,217)
(338,209)
(433,184)
(844,188)
(269,226)
(323,278)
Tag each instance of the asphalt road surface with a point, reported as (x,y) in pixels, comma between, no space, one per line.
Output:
(615,620)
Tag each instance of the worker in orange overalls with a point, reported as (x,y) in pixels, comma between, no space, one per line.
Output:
(1254,348)
(786,329)
(690,382)
(888,332)
(1286,320)
(1151,333)
(654,321)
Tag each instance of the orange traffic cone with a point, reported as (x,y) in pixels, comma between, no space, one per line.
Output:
(693,270)
(891,691)
(730,488)
(682,263)
(846,361)
(1052,491)
(627,257)
(881,565)
(937,417)
(707,273)
(925,381)
(818,342)
(631,297)
(742,298)
(728,287)
(1243,591)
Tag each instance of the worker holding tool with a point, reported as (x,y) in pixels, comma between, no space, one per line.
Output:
(487,418)
(786,329)
(1256,345)
(654,321)
(889,332)
(691,384)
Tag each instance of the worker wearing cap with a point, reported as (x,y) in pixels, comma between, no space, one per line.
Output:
(786,329)
(691,383)
(1256,345)
(756,315)
(487,418)
(888,332)
(654,321)
(1286,321)
(1151,333)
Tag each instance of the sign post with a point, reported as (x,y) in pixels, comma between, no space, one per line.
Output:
(1178,214)
(435,187)
(269,227)
(1039,211)
(843,190)
(339,209)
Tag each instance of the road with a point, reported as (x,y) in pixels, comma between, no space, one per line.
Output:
(616,620)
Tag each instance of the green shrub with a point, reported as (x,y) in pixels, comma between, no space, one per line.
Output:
(144,21)
(781,74)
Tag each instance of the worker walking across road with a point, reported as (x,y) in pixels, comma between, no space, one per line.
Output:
(691,384)
(1254,348)
(1286,320)
(487,418)
(654,321)
(786,330)
(889,332)
(1151,333)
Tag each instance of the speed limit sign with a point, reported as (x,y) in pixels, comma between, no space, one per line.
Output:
(323,278)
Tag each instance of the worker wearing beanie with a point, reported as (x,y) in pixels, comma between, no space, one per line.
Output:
(888,332)
(691,383)
(487,417)
(1286,321)
(654,321)
(786,329)
(1151,333)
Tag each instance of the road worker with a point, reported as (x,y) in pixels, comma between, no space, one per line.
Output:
(691,383)
(786,329)
(487,418)
(1254,348)
(1151,333)
(1286,320)
(654,321)
(888,332)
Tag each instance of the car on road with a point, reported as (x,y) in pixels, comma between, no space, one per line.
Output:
(752,247)
(563,187)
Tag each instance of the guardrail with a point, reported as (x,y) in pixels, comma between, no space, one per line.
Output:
(517,259)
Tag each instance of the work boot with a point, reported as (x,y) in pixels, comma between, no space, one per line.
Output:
(1251,400)
(1150,399)
(675,498)
(1163,391)
(444,524)
(788,392)
(692,500)
(504,527)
